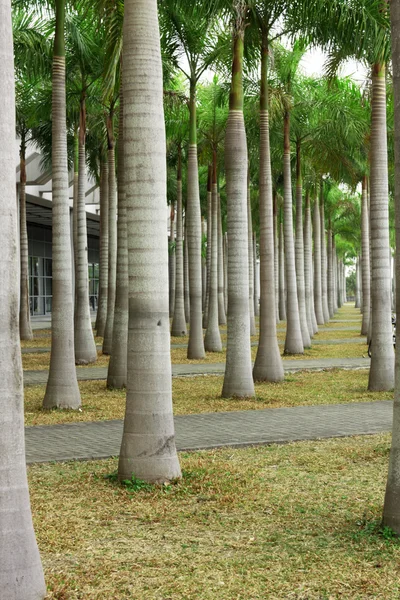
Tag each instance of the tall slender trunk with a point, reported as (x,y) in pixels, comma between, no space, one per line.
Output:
(282,286)
(308,266)
(179,322)
(256,278)
(212,340)
(294,340)
(62,389)
(75,201)
(381,375)
(203,267)
(335,280)
(25,329)
(103,268)
(268,364)
(317,265)
(324,269)
(85,347)
(172,263)
(357,298)
(148,449)
(391,509)
(186,276)
(221,299)
(21,574)
(365,257)
(299,252)
(209,246)
(276,259)
(112,238)
(117,367)
(238,380)
(253,330)
(226,272)
(193,228)
(330,272)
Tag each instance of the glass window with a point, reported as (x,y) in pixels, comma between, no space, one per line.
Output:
(48,271)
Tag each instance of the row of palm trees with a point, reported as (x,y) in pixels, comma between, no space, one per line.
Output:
(148,447)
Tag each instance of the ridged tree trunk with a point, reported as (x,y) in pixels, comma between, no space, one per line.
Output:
(330,272)
(21,574)
(203,267)
(357,298)
(268,364)
(117,367)
(391,508)
(172,263)
(253,330)
(112,238)
(186,277)
(212,340)
(25,329)
(294,340)
(299,253)
(226,272)
(75,217)
(276,260)
(282,295)
(324,264)
(85,347)
(178,322)
(365,257)
(238,380)
(381,375)
(103,267)
(62,389)
(209,244)
(317,265)
(148,449)
(308,265)
(335,279)
(221,299)
(256,279)
(193,229)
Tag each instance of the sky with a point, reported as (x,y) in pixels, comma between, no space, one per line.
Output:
(313,64)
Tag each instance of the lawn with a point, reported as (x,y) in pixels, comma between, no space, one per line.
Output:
(203,395)
(298,521)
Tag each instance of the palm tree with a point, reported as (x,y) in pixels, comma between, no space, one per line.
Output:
(21,574)
(62,389)
(178,322)
(103,268)
(148,445)
(238,380)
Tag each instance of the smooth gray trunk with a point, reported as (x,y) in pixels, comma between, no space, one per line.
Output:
(103,267)
(179,322)
(172,264)
(282,294)
(212,340)
(317,265)
(208,253)
(324,265)
(112,250)
(25,329)
(221,298)
(330,273)
(299,258)
(253,330)
(186,277)
(308,266)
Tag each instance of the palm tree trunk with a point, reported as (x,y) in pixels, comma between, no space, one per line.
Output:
(221,299)
(148,449)
(103,269)
(112,239)
(268,364)
(186,276)
(317,265)
(294,340)
(253,330)
(117,367)
(203,267)
(85,347)
(365,257)
(276,259)
(75,217)
(179,322)
(25,329)
(212,340)
(381,376)
(62,389)
(21,574)
(282,294)
(357,298)
(193,228)
(172,263)
(308,267)
(209,245)
(324,265)
(330,272)
(299,256)
(226,272)
(256,278)
(391,509)
(238,380)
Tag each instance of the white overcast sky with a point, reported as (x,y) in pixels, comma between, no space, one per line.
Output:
(314,60)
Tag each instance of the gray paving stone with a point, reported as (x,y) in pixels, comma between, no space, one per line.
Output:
(85,441)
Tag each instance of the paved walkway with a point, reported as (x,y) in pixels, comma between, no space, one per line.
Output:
(187,370)
(83,441)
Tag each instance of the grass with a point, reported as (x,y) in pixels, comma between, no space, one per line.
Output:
(298,521)
(203,395)
(41,362)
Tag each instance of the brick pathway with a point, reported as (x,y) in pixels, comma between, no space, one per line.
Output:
(187,370)
(83,441)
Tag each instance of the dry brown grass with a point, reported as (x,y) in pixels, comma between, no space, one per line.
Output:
(203,395)
(41,362)
(299,521)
